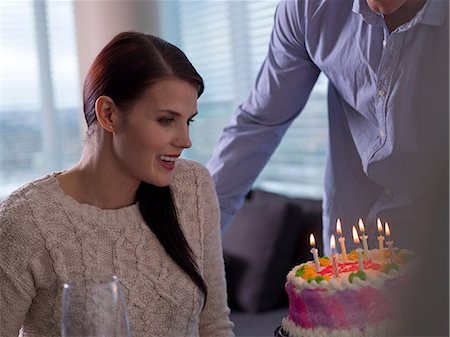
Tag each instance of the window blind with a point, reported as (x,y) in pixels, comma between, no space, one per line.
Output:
(227,42)
(39,95)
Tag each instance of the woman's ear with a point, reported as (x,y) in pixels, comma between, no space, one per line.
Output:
(104,110)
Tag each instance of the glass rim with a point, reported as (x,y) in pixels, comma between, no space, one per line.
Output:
(90,284)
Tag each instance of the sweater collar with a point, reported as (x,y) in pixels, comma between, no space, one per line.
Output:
(121,215)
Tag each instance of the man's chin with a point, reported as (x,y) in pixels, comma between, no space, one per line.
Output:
(385,7)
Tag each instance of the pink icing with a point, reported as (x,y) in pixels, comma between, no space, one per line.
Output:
(313,308)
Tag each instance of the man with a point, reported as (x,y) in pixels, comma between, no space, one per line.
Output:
(387,65)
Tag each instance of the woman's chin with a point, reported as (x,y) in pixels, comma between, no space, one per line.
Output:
(159,182)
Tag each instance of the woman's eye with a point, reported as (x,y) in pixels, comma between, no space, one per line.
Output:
(166,121)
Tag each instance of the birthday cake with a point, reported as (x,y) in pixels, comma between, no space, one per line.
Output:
(355,295)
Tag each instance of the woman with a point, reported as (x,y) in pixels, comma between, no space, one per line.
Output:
(130,207)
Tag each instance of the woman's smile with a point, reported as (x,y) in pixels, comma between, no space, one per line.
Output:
(168,161)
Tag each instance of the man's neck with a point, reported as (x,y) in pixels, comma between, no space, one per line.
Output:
(403,14)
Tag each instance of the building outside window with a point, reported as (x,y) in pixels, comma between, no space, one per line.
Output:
(39,93)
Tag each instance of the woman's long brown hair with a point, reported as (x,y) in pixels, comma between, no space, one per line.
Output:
(123,70)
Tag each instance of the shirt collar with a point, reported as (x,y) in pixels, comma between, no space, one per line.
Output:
(434,12)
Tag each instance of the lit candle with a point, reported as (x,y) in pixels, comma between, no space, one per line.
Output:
(334,262)
(341,240)
(380,240)
(389,242)
(363,238)
(358,250)
(314,251)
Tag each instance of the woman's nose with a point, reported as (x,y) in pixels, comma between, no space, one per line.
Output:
(183,140)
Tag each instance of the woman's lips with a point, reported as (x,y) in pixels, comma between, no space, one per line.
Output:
(168,162)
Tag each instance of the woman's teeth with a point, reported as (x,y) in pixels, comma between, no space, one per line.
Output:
(167,158)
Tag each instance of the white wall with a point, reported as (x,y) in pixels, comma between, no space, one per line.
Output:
(98,21)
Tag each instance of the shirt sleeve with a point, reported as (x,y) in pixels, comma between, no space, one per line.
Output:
(16,277)
(214,319)
(281,90)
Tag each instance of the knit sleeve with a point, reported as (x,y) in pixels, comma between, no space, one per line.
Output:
(214,319)
(17,248)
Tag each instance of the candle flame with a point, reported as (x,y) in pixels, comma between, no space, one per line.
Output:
(361,226)
(332,242)
(380,226)
(355,235)
(312,240)
(387,229)
(338,226)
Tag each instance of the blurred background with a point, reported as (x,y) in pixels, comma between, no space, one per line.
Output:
(46,48)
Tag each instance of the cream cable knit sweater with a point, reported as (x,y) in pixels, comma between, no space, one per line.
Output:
(47,238)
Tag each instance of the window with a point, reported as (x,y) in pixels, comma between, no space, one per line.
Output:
(227,42)
(39,94)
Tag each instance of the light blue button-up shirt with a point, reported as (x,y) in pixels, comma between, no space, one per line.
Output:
(388,114)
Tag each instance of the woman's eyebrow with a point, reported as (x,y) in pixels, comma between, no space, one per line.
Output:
(175,113)
(172,112)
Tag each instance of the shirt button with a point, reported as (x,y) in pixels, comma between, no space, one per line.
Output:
(381,92)
(388,192)
(381,134)
(384,43)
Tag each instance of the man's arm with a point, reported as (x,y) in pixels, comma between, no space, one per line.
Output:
(257,126)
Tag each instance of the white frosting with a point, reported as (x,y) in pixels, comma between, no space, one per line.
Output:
(381,330)
(374,278)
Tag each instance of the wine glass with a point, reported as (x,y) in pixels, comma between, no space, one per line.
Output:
(94,310)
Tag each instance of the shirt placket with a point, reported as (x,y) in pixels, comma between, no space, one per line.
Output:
(385,82)
(389,61)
